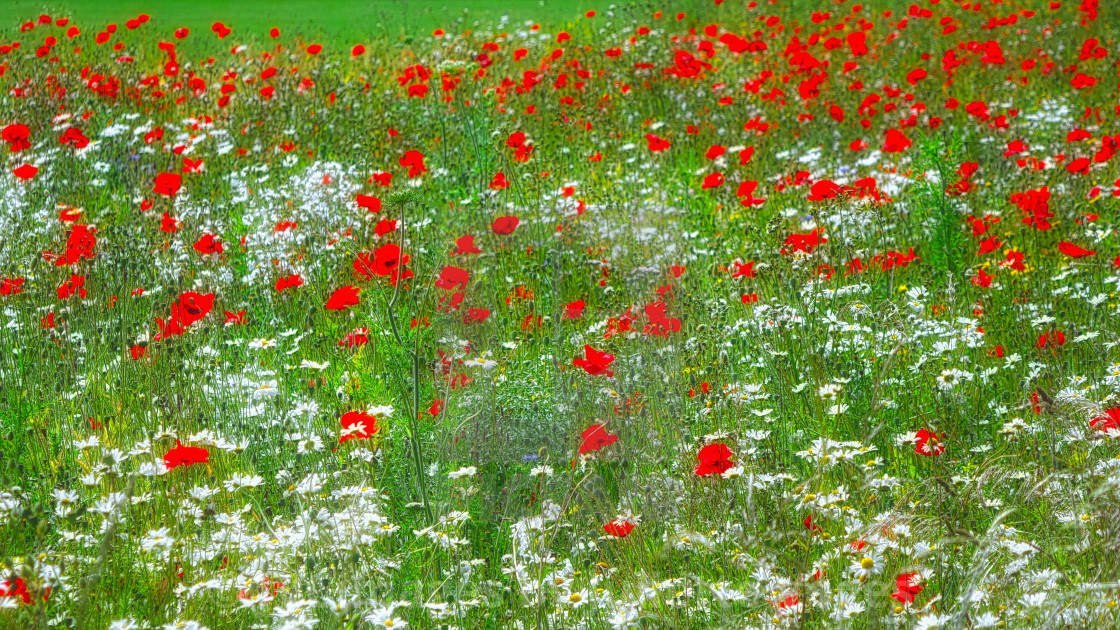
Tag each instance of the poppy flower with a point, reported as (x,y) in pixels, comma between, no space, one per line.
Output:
(185,456)
(25,172)
(168,224)
(453,278)
(896,141)
(234,318)
(74,137)
(343,297)
(208,244)
(465,245)
(573,310)
(1054,338)
(595,362)
(857,43)
(618,529)
(908,587)
(167,184)
(823,190)
(982,279)
(289,282)
(385,226)
(74,286)
(656,144)
(414,160)
(373,204)
(17,136)
(744,270)
(356,424)
(595,437)
(505,225)
(384,261)
(712,180)
(1108,423)
(80,243)
(11,286)
(928,443)
(357,337)
(804,242)
(1073,251)
(499,181)
(476,315)
(1080,166)
(714,460)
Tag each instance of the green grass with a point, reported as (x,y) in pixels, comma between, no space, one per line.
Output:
(344,21)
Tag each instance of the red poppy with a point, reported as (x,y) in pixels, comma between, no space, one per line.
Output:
(1054,338)
(414,160)
(188,309)
(896,141)
(476,315)
(436,408)
(384,262)
(185,456)
(74,286)
(714,459)
(804,242)
(80,243)
(823,190)
(908,587)
(1073,251)
(25,172)
(713,180)
(595,437)
(573,310)
(356,424)
(74,137)
(234,318)
(656,144)
(743,270)
(928,443)
(385,226)
(465,245)
(499,181)
(373,204)
(289,282)
(982,279)
(453,278)
(595,362)
(1108,423)
(618,529)
(17,136)
(505,225)
(343,297)
(11,286)
(357,337)
(208,244)
(167,184)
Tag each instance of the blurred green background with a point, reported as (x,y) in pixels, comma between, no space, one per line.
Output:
(338,18)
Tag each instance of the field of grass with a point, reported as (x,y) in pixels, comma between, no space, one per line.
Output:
(706,315)
(339,20)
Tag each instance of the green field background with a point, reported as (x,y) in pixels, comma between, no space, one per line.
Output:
(337,18)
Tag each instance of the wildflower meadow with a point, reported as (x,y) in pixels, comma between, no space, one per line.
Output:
(681,314)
